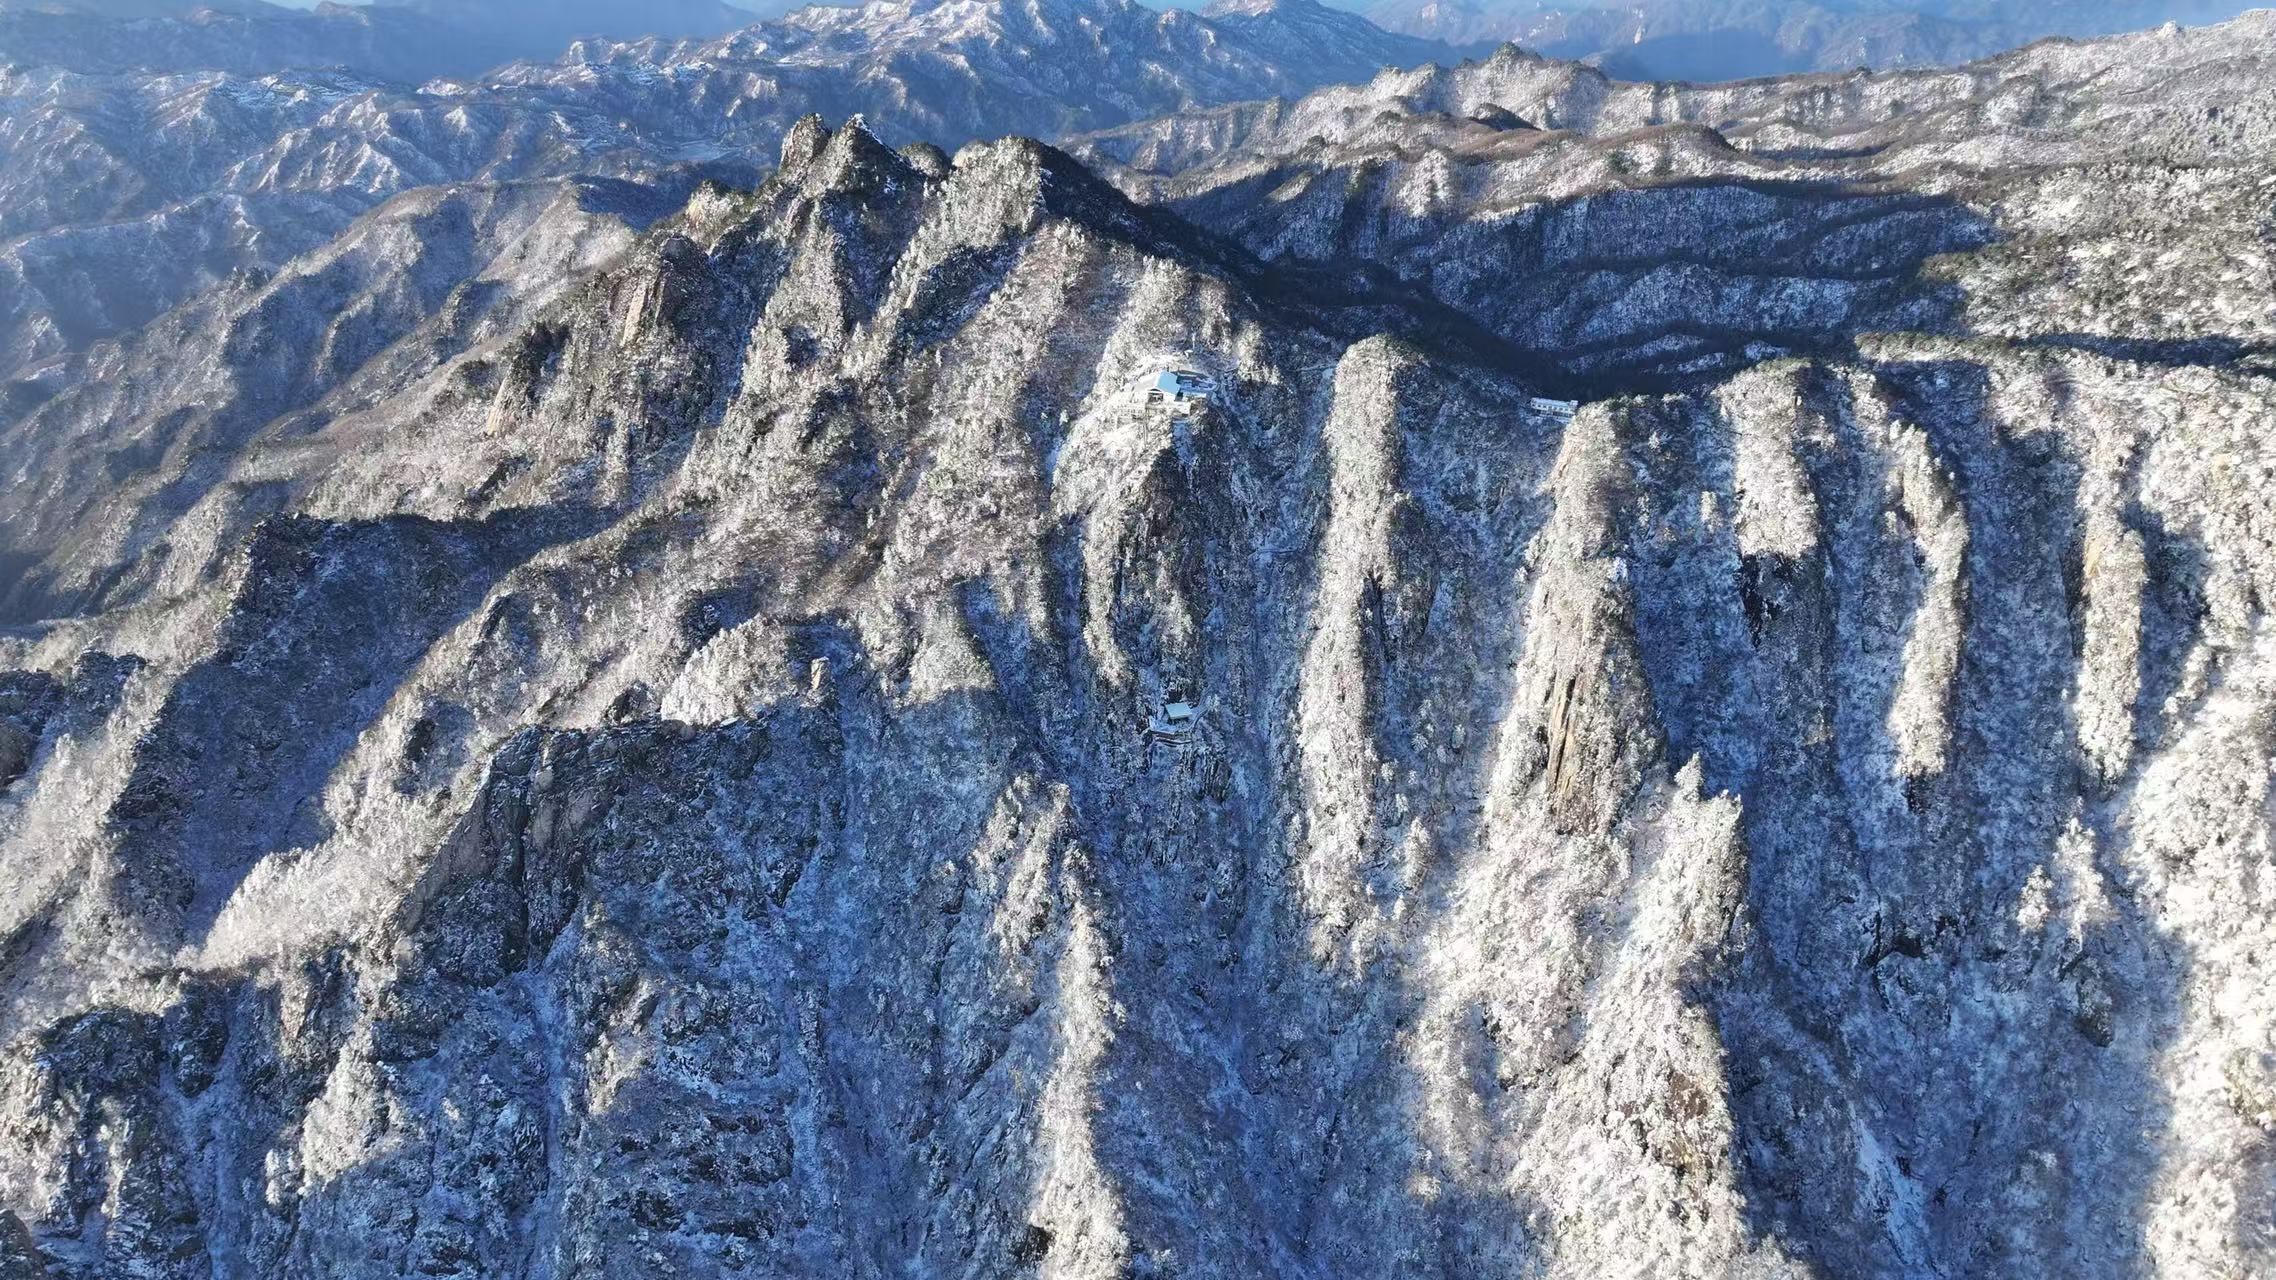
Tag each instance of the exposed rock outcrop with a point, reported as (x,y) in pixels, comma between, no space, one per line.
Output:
(671,787)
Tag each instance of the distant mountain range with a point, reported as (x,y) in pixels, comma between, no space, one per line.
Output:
(123,191)
(151,148)
(411,41)
(1731,39)
(1799,201)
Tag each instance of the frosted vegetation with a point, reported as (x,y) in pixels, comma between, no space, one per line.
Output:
(627,726)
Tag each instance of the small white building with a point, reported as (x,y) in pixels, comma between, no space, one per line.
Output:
(1178,387)
(1555,408)
(1173,721)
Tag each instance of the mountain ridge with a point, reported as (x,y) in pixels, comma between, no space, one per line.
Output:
(1681,40)
(206,173)
(686,760)
(1487,673)
(402,41)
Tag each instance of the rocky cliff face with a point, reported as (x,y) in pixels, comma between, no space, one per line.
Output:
(646,746)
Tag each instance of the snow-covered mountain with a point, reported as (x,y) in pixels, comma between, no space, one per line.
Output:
(1490,673)
(1536,195)
(1732,39)
(122,194)
(951,70)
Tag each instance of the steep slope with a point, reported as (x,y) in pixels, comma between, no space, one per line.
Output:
(683,788)
(122,195)
(119,455)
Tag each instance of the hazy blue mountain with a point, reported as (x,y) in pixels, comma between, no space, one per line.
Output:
(404,40)
(1730,39)
(124,192)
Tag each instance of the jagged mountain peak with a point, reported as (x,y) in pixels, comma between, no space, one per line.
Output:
(1018,179)
(1682,691)
(868,237)
(851,159)
(882,670)
(803,142)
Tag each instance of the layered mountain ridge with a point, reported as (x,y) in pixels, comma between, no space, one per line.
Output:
(1736,39)
(979,715)
(191,176)
(2106,196)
